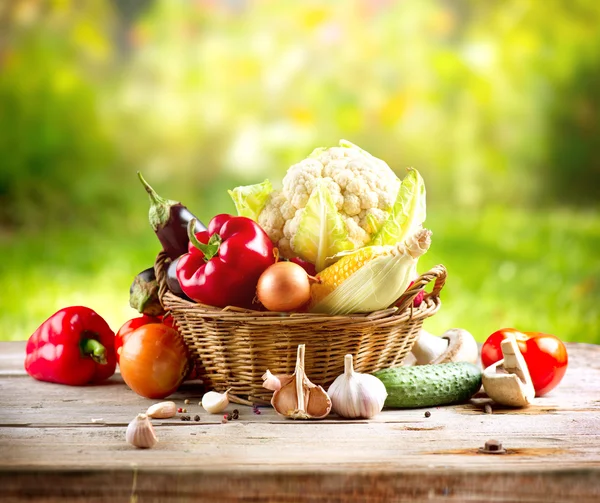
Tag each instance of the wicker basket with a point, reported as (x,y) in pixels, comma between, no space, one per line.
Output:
(233,347)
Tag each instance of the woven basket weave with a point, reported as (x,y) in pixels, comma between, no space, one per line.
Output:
(234,347)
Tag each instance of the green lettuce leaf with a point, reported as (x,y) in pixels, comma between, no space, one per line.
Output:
(250,200)
(408,212)
(321,230)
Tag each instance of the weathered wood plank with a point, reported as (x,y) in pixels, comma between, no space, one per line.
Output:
(52,450)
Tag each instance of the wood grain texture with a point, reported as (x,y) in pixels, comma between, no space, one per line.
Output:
(61,443)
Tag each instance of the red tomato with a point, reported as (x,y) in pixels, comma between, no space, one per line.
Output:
(545,355)
(128,327)
(154,360)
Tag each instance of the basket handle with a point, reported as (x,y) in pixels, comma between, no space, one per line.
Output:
(160,271)
(437,273)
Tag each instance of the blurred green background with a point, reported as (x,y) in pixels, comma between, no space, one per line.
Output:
(497,104)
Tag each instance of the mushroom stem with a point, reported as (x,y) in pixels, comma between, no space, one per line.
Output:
(428,347)
(508,381)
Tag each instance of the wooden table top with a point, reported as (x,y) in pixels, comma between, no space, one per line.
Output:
(62,443)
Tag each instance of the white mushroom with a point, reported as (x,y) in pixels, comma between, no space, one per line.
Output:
(455,345)
(508,382)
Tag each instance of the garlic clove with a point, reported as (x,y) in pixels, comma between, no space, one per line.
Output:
(140,432)
(275,382)
(354,395)
(162,410)
(214,402)
(318,404)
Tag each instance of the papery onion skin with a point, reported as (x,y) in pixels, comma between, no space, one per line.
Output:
(283,286)
(154,360)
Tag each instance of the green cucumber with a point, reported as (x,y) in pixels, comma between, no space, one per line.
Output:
(430,385)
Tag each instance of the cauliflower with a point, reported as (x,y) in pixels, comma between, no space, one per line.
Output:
(363,189)
(336,200)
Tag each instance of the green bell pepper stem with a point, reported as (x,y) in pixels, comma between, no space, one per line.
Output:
(211,248)
(93,349)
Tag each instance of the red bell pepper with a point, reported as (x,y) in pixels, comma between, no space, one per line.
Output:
(75,346)
(223,263)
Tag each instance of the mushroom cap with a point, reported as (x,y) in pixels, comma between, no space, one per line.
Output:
(462,347)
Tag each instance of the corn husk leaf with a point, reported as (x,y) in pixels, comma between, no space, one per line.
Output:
(250,200)
(407,214)
(380,282)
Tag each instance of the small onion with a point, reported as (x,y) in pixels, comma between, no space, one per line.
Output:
(283,286)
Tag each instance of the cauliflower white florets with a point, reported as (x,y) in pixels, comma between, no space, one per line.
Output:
(363,189)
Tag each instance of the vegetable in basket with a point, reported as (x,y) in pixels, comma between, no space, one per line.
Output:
(75,346)
(284,286)
(143,293)
(170,219)
(224,263)
(338,199)
(369,279)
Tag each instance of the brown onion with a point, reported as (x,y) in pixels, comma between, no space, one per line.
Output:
(154,360)
(283,286)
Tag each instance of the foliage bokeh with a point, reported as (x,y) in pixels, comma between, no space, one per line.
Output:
(496,104)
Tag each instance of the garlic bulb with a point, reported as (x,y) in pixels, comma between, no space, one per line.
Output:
(355,395)
(214,402)
(140,432)
(296,396)
(162,410)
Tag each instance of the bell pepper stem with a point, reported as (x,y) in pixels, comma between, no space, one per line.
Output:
(211,248)
(94,349)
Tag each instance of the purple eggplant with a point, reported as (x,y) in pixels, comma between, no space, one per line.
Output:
(143,293)
(170,219)
(173,282)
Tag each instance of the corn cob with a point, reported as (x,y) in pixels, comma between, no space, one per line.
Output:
(334,275)
(369,279)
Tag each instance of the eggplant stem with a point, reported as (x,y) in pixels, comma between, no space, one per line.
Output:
(151,192)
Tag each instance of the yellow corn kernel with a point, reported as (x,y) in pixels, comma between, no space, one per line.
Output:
(333,276)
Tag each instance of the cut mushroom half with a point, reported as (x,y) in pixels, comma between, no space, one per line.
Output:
(455,345)
(508,382)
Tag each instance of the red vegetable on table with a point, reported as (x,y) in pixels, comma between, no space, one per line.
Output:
(545,355)
(223,263)
(75,346)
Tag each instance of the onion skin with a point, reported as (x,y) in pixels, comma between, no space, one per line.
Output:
(154,360)
(283,286)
